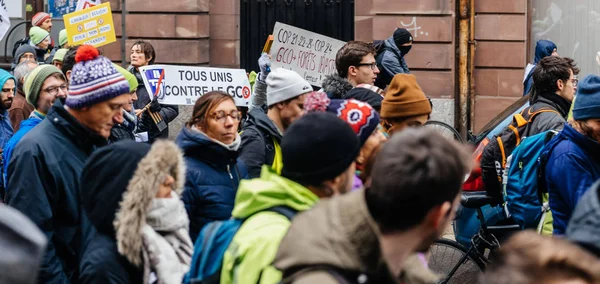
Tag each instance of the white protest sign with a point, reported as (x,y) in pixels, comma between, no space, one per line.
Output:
(84,4)
(309,54)
(183,85)
(4,20)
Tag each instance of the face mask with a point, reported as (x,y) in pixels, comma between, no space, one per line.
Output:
(405,49)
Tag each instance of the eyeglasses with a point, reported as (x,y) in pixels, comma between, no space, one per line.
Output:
(221,116)
(373,65)
(575,81)
(53,91)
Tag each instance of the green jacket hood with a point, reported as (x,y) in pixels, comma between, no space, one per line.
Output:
(271,190)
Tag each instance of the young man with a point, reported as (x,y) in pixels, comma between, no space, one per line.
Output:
(142,54)
(20,108)
(43,174)
(318,162)
(574,155)
(390,58)
(355,64)
(404,105)
(262,133)
(415,189)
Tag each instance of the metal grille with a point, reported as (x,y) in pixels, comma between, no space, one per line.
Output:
(257,19)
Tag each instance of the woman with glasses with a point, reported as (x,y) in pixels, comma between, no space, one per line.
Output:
(210,142)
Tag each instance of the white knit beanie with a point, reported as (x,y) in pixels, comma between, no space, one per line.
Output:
(283,84)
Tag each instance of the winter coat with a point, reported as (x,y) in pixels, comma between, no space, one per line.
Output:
(213,176)
(340,233)
(6,132)
(543,48)
(253,248)
(257,147)
(390,62)
(26,125)
(573,166)
(259,96)
(43,183)
(549,120)
(146,124)
(19,110)
(125,130)
(40,54)
(584,226)
(336,87)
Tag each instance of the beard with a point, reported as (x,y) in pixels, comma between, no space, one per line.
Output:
(6,104)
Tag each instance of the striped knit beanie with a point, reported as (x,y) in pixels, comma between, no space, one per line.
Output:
(39,18)
(94,79)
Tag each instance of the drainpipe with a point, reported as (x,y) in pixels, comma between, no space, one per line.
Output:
(123,35)
(462,99)
(472,43)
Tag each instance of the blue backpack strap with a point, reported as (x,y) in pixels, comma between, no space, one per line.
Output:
(286,211)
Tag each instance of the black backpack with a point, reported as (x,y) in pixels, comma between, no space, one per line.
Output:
(17,44)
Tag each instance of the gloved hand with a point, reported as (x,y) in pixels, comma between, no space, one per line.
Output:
(264,62)
(155,106)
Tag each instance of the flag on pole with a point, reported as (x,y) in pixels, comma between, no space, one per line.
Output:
(84,4)
(4,19)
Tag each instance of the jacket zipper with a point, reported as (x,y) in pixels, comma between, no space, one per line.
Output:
(231,177)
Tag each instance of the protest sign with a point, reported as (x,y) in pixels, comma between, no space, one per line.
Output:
(309,54)
(4,20)
(183,85)
(84,4)
(93,26)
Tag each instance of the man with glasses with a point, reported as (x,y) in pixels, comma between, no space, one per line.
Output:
(43,85)
(355,64)
(21,109)
(262,133)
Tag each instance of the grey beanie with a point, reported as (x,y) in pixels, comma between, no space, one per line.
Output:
(283,84)
(22,245)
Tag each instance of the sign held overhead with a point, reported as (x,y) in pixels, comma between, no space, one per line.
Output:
(93,26)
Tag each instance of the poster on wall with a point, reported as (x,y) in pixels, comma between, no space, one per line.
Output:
(58,8)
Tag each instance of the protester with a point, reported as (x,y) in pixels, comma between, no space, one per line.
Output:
(9,85)
(57,59)
(369,234)
(211,142)
(22,245)
(543,48)
(24,53)
(20,108)
(43,173)
(404,105)
(363,119)
(259,96)
(355,64)
(574,155)
(42,20)
(127,129)
(584,225)
(43,86)
(142,54)
(140,223)
(262,132)
(529,258)
(69,62)
(318,162)
(40,41)
(390,59)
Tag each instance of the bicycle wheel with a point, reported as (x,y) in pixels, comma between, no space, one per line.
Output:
(445,129)
(445,255)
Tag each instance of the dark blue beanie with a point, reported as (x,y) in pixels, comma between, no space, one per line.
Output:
(587,103)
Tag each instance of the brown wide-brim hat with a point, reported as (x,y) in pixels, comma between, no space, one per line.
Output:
(404,98)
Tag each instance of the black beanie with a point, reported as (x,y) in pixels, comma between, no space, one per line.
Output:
(105,177)
(402,36)
(318,147)
(365,95)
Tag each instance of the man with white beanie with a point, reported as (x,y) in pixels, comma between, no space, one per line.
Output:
(262,133)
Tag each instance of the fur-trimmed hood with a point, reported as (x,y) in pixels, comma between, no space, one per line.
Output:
(336,87)
(164,158)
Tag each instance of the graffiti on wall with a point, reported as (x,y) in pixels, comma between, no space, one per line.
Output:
(414,28)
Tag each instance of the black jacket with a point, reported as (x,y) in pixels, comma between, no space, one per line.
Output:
(257,141)
(584,226)
(168,112)
(125,130)
(336,87)
(43,183)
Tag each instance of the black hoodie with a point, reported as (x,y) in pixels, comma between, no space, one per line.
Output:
(257,147)
(584,226)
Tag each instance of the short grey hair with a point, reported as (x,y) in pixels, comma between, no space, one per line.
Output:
(24,68)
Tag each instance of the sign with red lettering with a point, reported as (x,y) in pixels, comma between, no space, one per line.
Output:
(310,54)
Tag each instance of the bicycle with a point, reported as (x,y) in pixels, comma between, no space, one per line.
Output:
(445,129)
(460,265)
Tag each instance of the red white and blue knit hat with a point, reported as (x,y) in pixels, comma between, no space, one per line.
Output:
(94,79)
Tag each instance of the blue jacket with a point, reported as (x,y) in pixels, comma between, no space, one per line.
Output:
(212,178)
(34,119)
(390,62)
(573,166)
(543,48)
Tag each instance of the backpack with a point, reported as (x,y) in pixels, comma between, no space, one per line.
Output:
(213,241)
(379,45)
(524,182)
(18,44)
(501,146)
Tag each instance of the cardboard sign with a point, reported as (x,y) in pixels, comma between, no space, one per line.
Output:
(4,20)
(309,54)
(183,85)
(93,26)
